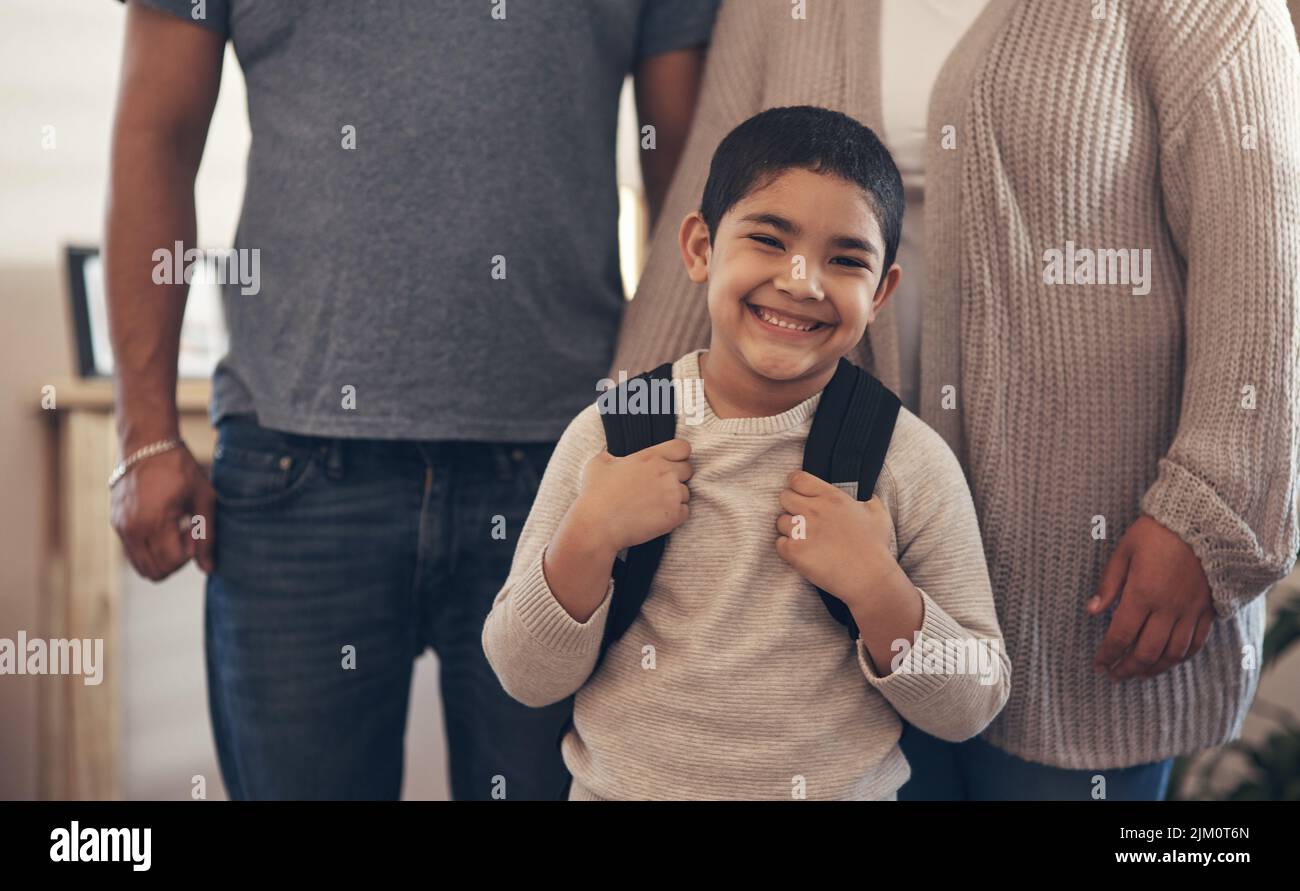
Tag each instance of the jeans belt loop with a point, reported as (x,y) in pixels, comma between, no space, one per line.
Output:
(334,459)
(505,469)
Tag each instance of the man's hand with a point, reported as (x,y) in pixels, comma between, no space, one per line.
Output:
(152,511)
(1165,608)
(841,545)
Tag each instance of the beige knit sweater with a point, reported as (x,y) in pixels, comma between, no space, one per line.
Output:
(1169,127)
(734,682)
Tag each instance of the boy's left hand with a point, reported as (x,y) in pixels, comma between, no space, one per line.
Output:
(844,548)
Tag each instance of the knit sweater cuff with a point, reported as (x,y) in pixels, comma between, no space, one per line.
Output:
(548,622)
(1235,564)
(913,680)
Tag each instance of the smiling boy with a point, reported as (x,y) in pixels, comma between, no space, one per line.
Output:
(734,681)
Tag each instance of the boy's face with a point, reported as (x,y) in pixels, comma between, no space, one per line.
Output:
(804,250)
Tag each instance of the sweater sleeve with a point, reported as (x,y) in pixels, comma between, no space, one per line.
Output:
(539,652)
(1230,175)
(669,315)
(955,676)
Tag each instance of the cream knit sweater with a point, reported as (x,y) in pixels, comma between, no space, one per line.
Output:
(734,681)
(1171,128)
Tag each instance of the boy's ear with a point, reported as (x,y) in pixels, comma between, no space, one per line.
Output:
(693,239)
(885,289)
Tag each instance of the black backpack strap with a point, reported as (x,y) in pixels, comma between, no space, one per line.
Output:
(848,441)
(627,432)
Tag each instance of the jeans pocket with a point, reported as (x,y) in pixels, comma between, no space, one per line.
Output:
(254,468)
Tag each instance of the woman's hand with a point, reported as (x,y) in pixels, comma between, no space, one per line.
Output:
(1165,606)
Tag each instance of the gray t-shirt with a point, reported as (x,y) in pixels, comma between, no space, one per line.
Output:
(455,275)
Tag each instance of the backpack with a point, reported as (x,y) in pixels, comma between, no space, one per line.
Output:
(850,435)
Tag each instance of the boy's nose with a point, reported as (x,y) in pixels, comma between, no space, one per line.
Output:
(800,283)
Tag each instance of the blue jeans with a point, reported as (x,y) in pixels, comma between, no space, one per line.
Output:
(976,771)
(338,561)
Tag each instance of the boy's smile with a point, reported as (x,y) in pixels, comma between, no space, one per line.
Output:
(794,279)
(788,324)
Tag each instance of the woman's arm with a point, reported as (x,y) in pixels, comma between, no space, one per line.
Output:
(1230,174)
(1219,523)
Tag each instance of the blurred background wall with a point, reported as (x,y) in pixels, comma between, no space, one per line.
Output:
(58,68)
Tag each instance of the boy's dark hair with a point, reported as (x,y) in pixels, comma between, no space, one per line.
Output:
(815,139)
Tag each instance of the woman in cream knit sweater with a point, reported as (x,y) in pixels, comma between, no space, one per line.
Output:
(1109,342)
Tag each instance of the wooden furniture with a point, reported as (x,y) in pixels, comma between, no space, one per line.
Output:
(80,724)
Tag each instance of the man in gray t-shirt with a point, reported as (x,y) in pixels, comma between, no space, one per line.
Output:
(432,205)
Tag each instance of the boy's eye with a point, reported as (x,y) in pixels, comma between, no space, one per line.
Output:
(851,261)
(767,240)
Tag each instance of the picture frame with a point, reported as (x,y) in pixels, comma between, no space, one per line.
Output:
(204,338)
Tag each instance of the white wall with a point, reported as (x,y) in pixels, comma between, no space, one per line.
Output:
(59,62)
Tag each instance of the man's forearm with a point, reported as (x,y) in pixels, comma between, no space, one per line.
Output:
(667,87)
(150,206)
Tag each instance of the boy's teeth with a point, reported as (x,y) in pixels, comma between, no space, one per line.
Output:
(768,317)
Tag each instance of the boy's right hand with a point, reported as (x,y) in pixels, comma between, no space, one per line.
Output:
(636,498)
